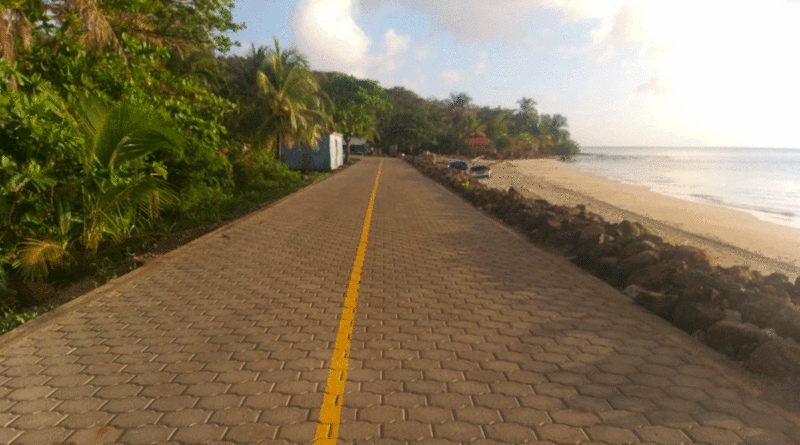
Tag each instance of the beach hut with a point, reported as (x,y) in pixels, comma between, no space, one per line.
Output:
(326,155)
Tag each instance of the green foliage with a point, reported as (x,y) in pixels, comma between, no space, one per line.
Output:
(359,104)
(11,319)
(258,169)
(281,101)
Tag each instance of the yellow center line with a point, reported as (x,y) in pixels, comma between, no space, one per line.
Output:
(330,412)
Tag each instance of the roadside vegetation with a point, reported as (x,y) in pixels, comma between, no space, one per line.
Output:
(122,122)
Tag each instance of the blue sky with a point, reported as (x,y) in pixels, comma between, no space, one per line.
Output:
(677,73)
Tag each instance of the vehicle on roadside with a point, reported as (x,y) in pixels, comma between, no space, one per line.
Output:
(458,165)
(480,171)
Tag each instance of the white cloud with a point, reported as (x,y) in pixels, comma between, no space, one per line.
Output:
(480,68)
(451,76)
(658,51)
(326,31)
(395,46)
(423,52)
(657,85)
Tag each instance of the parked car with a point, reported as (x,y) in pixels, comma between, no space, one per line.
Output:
(458,165)
(480,171)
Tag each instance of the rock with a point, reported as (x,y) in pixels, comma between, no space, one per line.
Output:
(776,357)
(636,247)
(728,287)
(605,248)
(655,277)
(795,293)
(697,309)
(660,304)
(693,257)
(692,317)
(691,278)
(731,338)
(786,320)
(604,267)
(629,229)
(731,315)
(638,261)
(760,309)
(591,234)
(740,274)
(777,279)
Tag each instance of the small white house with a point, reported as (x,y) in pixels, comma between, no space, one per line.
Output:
(327,155)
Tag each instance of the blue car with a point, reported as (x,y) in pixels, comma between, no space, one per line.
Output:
(458,165)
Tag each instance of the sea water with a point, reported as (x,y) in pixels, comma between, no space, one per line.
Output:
(762,181)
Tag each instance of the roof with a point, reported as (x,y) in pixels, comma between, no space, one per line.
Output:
(478,141)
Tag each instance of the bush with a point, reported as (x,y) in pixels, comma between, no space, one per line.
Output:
(258,169)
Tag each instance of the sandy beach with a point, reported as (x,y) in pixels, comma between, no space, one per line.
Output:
(730,236)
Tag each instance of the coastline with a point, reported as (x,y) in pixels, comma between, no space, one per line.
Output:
(732,237)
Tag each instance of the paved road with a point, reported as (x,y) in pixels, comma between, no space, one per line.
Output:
(464,333)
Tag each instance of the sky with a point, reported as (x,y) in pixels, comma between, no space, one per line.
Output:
(624,73)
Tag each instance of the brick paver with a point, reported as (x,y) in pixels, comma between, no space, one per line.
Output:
(465,333)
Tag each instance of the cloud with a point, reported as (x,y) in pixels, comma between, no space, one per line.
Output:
(656,52)
(472,20)
(451,76)
(480,68)
(624,28)
(423,52)
(657,85)
(326,32)
(394,47)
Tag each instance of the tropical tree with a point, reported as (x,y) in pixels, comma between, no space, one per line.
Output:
(359,105)
(526,117)
(119,187)
(286,105)
(14,28)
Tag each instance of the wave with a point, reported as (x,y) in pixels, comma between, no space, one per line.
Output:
(719,201)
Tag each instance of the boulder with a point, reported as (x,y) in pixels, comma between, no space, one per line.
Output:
(692,317)
(604,267)
(655,277)
(692,256)
(638,261)
(630,230)
(728,287)
(795,293)
(786,320)
(740,274)
(733,338)
(776,357)
(636,247)
(760,309)
(591,234)
(660,304)
(691,278)
(697,309)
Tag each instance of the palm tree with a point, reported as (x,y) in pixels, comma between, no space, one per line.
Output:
(116,191)
(287,104)
(14,27)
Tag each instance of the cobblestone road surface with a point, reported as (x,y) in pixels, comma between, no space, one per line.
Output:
(465,333)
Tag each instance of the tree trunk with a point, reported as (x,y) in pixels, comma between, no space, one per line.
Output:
(347,139)
(278,148)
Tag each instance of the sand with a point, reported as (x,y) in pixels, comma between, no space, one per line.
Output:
(730,236)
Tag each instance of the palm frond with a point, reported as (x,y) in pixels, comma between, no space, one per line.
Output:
(37,258)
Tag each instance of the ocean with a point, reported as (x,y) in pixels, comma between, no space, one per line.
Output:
(762,181)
